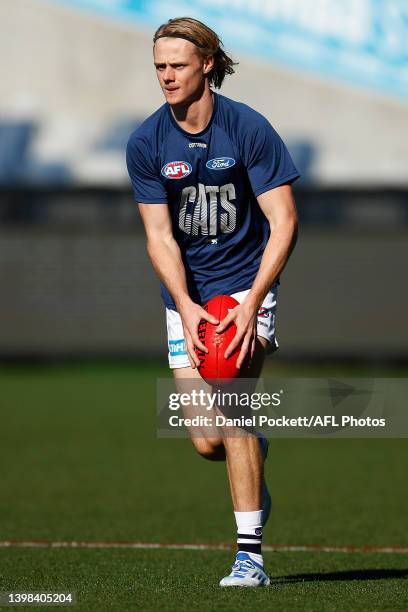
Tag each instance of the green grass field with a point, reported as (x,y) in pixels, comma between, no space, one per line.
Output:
(81,461)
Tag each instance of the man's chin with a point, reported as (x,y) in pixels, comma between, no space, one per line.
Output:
(179,99)
(175,99)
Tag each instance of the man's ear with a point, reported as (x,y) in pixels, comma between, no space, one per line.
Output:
(208,64)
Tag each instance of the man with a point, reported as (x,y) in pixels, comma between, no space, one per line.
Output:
(212,180)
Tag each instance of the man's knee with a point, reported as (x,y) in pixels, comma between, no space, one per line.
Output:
(209,449)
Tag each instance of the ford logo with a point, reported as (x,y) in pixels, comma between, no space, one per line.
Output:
(220,163)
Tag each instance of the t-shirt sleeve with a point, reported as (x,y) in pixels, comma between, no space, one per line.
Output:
(147,186)
(269,163)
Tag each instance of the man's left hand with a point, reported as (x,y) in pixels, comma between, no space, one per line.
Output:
(244,317)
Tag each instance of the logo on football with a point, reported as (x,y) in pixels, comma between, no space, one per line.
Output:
(176,170)
(220,163)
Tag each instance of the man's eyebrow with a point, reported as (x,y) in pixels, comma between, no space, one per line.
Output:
(179,63)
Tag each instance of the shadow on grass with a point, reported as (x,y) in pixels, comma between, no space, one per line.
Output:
(365,574)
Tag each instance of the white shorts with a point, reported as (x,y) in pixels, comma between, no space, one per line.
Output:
(178,357)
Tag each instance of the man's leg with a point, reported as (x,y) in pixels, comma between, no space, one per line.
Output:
(244,455)
(210,443)
(207,441)
(245,472)
(245,461)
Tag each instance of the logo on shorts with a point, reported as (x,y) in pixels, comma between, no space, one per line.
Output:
(176,170)
(220,163)
(263,312)
(258,531)
(177,347)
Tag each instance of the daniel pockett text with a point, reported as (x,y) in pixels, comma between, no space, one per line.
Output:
(261,420)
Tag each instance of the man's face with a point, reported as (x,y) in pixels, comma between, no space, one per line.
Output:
(180,69)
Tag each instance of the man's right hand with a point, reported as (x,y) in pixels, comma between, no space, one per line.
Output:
(191,315)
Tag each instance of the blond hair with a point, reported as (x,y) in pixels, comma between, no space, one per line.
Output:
(207,42)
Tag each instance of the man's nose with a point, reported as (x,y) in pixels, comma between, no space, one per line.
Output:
(168,74)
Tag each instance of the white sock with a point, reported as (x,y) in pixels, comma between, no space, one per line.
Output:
(250,524)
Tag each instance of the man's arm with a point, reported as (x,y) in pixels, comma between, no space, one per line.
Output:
(279,208)
(165,256)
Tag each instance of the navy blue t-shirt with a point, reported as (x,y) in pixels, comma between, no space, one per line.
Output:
(210,182)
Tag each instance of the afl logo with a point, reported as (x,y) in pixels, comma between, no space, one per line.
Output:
(220,163)
(176,170)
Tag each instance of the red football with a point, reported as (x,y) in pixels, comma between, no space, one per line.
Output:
(214,368)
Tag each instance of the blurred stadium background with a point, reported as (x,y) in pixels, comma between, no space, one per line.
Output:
(77,78)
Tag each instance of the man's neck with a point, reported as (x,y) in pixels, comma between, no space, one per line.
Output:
(195,116)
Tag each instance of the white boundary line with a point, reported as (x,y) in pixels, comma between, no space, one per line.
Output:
(160,546)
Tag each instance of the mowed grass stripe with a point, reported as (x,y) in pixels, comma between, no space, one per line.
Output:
(198,547)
